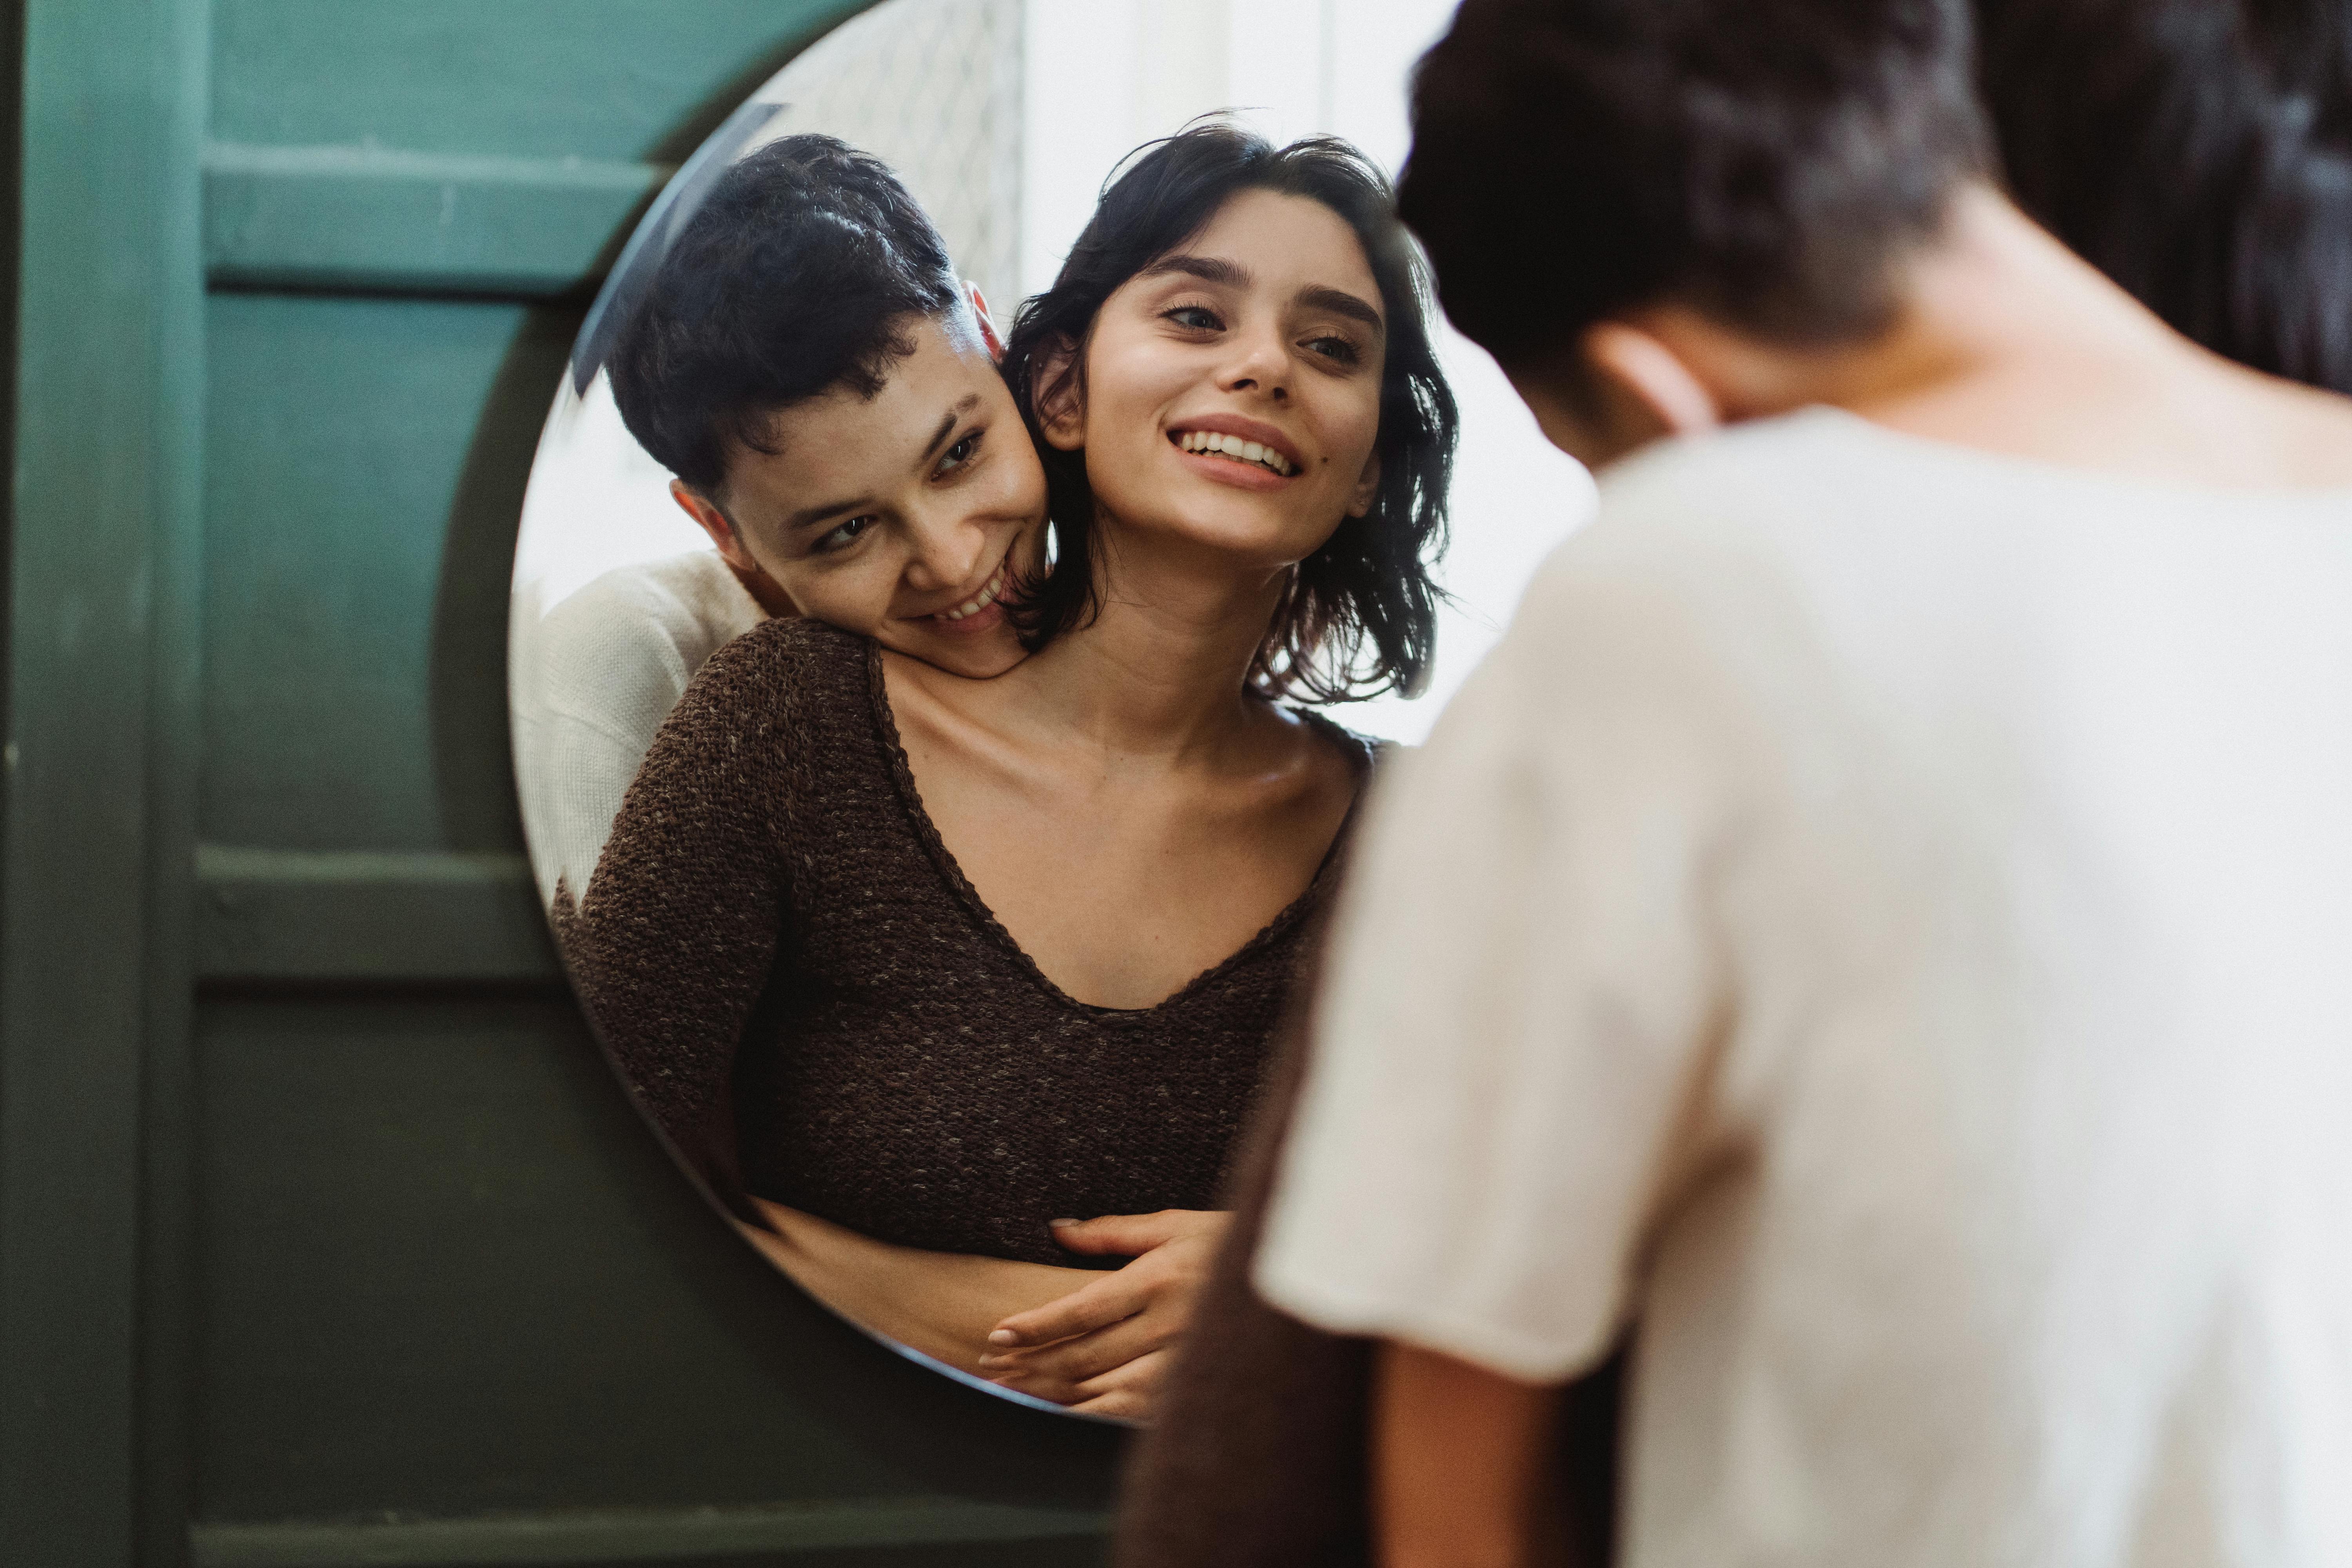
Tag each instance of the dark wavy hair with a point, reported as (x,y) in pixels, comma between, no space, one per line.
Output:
(2199,152)
(1360,616)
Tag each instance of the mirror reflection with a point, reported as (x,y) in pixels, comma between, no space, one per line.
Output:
(965,589)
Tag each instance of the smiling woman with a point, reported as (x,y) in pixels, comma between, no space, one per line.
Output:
(1296,256)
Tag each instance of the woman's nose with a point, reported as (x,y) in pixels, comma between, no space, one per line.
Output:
(947,553)
(1261,364)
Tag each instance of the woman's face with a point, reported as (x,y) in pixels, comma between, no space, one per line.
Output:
(1263,333)
(902,516)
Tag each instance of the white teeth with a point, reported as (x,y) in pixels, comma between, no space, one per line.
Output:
(1234,447)
(978,601)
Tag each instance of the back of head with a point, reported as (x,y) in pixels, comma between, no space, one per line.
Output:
(1766,160)
(2199,152)
(798,274)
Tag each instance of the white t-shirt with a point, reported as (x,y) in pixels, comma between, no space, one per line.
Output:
(1881,919)
(593,681)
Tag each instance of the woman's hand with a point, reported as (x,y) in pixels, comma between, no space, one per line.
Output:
(1103,1347)
(941,1303)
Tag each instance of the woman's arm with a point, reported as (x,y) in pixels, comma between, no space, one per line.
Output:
(1106,1347)
(673,938)
(1098,1342)
(941,1303)
(1462,1465)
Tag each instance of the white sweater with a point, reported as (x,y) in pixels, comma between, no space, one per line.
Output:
(1881,922)
(591,682)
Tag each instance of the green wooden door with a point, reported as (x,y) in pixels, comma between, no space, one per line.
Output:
(324,1237)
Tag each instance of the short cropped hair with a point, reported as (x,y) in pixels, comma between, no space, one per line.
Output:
(800,272)
(2199,152)
(1360,616)
(1764,161)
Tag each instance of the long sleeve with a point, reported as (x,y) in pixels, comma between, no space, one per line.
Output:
(675,941)
(593,678)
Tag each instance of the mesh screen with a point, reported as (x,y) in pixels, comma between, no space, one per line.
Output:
(933,89)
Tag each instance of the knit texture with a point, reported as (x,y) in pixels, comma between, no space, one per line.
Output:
(776,942)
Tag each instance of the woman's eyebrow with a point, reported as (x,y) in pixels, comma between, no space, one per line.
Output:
(1217,269)
(1207,268)
(1339,303)
(970,401)
(808,516)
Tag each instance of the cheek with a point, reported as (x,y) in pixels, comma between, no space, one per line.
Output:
(1351,428)
(1018,490)
(1127,380)
(1120,427)
(854,598)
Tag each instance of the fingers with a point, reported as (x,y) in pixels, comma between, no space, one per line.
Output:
(1175,1262)
(1124,1234)
(1098,1305)
(1046,1388)
(1089,1355)
(1132,1392)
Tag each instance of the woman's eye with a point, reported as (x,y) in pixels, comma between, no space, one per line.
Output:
(1199,317)
(963,452)
(843,537)
(1336,349)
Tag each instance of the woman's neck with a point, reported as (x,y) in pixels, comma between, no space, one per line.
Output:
(1159,670)
(2010,343)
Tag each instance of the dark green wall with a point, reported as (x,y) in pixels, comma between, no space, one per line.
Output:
(324,1234)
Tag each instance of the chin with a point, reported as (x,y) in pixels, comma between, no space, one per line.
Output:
(974,666)
(1254,529)
(975,659)
(1252,539)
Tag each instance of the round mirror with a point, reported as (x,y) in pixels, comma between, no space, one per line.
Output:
(925,889)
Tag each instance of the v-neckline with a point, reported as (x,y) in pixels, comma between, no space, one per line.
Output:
(886,723)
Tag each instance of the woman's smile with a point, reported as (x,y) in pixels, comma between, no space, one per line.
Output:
(982,611)
(1231,450)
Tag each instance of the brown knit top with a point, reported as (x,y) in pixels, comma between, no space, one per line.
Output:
(775,922)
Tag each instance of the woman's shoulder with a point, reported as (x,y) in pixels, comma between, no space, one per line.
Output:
(785,688)
(789,658)
(1360,751)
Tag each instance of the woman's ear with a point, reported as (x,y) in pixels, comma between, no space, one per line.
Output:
(1624,388)
(1645,387)
(1368,486)
(988,333)
(766,590)
(1054,391)
(714,523)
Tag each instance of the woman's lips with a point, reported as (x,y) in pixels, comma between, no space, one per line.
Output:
(1227,470)
(982,611)
(1245,454)
(1239,448)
